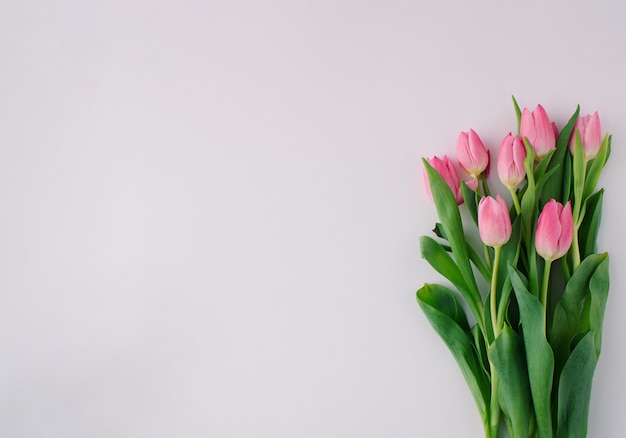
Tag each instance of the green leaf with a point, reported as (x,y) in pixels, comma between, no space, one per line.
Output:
(445,301)
(555,187)
(473,255)
(542,182)
(450,217)
(479,263)
(588,232)
(575,390)
(539,357)
(470,198)
(529,204)
(599,287)
(488,319)
(579,177)
(567,179)
(541,167)
(597,164)
(509,253)
(440,260)
(447,318)
(570,314)
(481,348)
(439,231)
(507,356)
(518,114)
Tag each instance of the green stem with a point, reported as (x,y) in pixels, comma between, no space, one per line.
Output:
(494,281)
(494,410)
(518,207)
(544,286)
(492,431)
(575,249)
(486,191)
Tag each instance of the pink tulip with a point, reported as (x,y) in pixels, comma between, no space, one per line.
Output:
(538,129)
(511,161)
(494,222)
(471,152)
(590,134)
(555,230)
(448,172)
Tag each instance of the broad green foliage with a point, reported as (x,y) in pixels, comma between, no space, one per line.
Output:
(447,318)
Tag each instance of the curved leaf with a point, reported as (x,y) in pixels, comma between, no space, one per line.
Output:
(588,232)
(554,188)
(444,313)
(578,172)
(508,255)
(569,314)
(507,356)
(518,113)
(575,390)
(450,217)
(481,348)
(470,197)
(539,357)
(599,287)
(528,213)
(593,175)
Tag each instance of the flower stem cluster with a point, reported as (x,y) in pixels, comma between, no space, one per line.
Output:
(534,322)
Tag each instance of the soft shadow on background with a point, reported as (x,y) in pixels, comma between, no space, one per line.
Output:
(210,210)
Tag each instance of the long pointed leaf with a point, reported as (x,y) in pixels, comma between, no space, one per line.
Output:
(588,232)
(507,356)
(569,314)
(450,217)
(575,390)
(596,167)
(479,263)
(599,287)
(518,113)
(554,188)
(470,197)
(539,357)
(509,254)
(441,261)
(442,310)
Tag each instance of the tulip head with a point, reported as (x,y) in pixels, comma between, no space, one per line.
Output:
(590,134)
(555,230)
(494,222)
(539,130)
(511,161)
(472,154)
(445,167)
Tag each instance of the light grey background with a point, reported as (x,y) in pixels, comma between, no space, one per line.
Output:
(210,210)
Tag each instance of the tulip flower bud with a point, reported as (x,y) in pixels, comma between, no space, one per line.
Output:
(445,167)
(471,152)
(511,161)
(590,134)
(494,222)
(538,129)
(555,230)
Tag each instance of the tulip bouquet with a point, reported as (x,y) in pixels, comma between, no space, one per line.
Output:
(524,309)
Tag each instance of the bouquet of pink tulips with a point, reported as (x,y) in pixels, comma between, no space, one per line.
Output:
(537,289)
